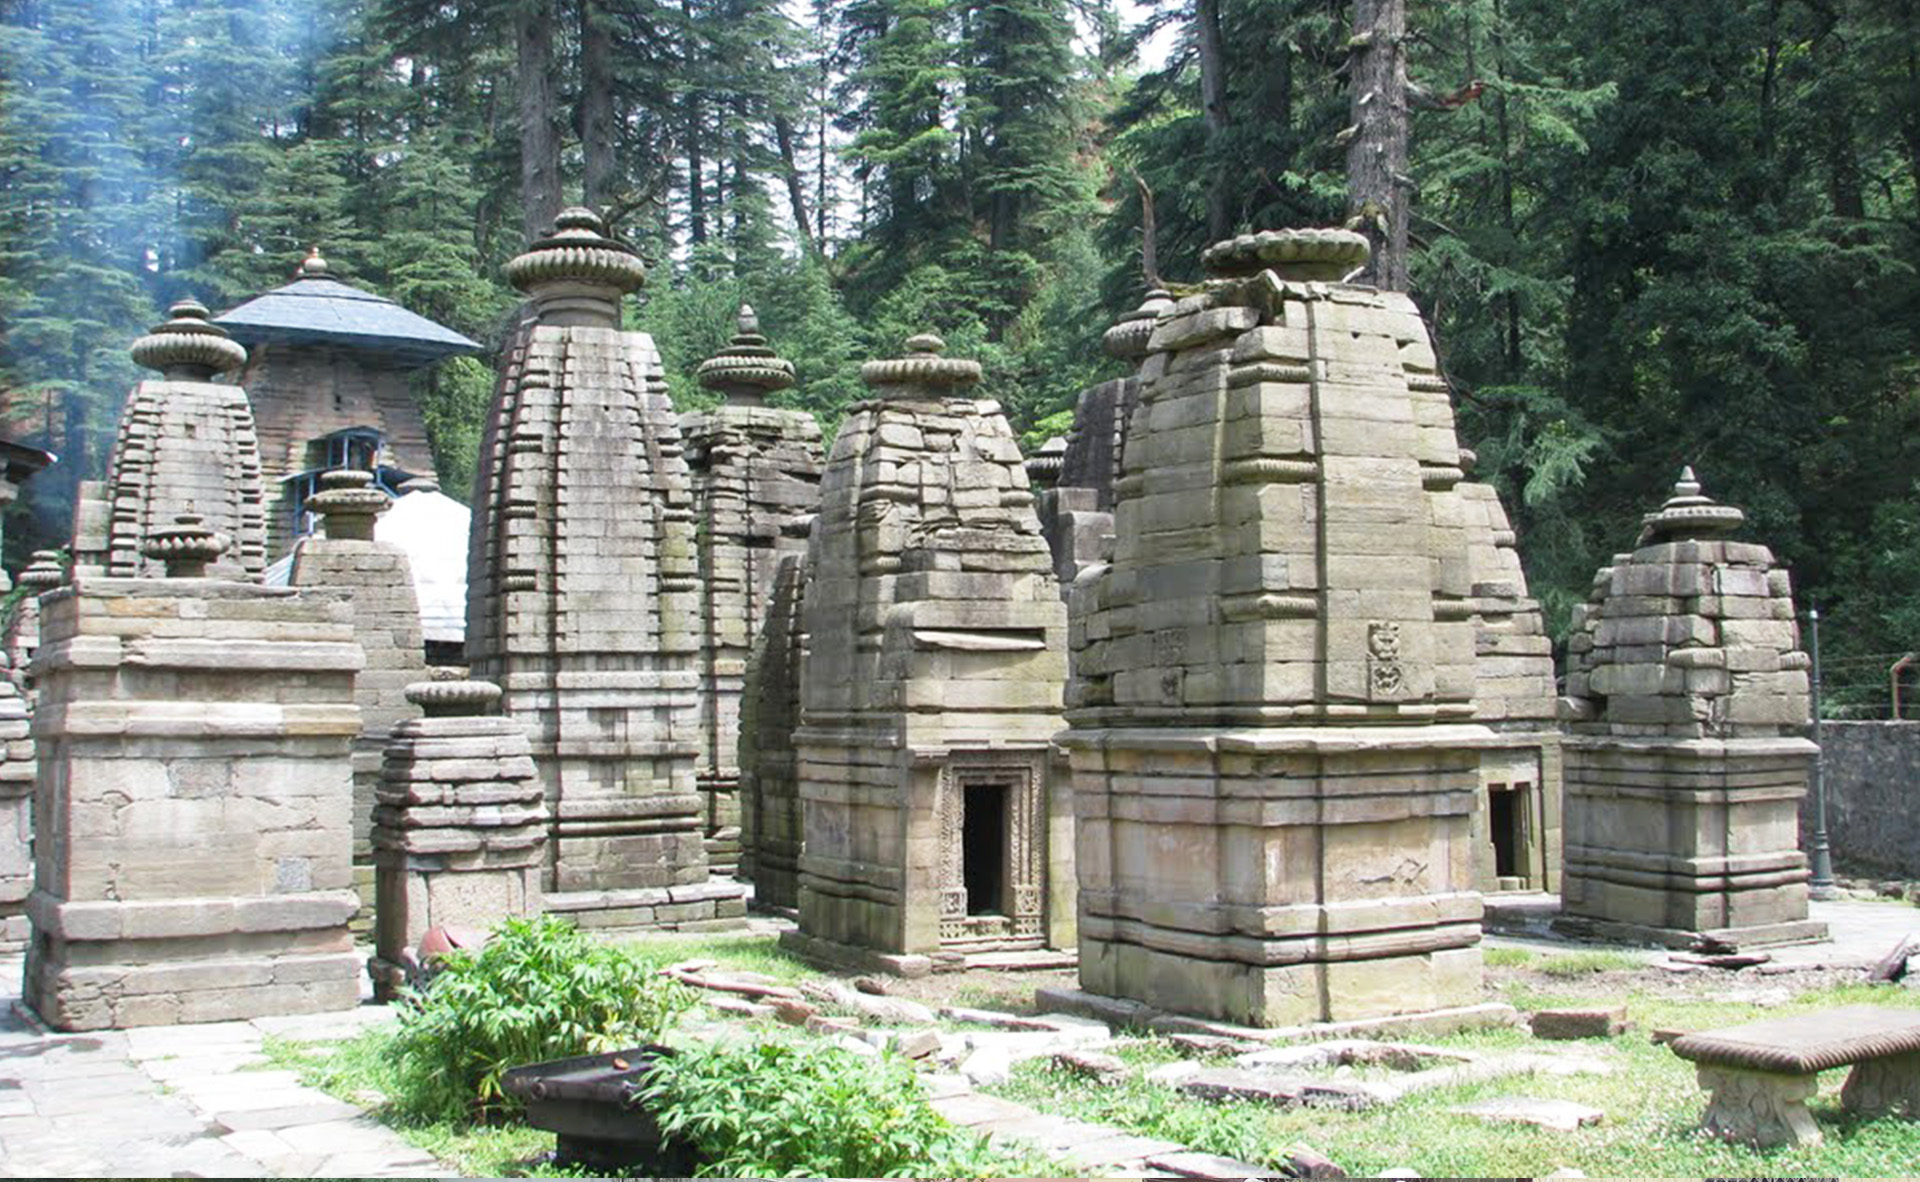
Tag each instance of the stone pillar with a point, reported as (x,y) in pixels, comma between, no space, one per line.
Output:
(460,830)
(185,444)
(16,744)
(386,622)
(1076,508)
(582,591)
(931,682)
(770,821)
(1516,823)
(756,482)
(1272,743)
(1686,758)
(193,853)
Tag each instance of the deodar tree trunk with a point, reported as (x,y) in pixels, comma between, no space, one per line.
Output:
(1377,184)
(539,137)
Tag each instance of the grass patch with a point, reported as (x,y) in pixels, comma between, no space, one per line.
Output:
(737,952)
(1504,957)
(361,1070)
(1651,1101)
(1579,964)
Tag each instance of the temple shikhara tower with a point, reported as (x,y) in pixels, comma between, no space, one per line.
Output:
(931,684)
(1686,757)
(582,590)
(1274,755)
(756,482)
(186,444)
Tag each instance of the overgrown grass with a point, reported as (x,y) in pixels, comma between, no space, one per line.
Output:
(1579,964)
(1506,956)
(361,1070)
(737,952)
(1650,1099)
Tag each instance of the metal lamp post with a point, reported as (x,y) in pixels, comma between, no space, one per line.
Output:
(1821,886)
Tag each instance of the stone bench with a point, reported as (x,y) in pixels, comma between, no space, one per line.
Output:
(1762,1074)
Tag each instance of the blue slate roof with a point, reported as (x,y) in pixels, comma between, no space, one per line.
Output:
(316,310)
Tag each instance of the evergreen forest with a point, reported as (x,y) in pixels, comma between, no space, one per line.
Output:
(1647,233)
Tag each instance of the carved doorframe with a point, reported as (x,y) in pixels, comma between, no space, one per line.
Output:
(1025,888)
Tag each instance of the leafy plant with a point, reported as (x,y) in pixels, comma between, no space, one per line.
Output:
(781,1110)
(539,990)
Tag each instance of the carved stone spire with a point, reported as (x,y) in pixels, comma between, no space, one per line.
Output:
(313,266)
(187,547)
(577,275)
(1325,255)
(922,372)
(1128,337)
(189,347)
(1688,513)
(747,370)
(348,504)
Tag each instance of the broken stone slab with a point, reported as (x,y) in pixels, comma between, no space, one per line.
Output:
(1029,1044)
(1723,960)
(1589,1022)
(882,1009)
(1231,1083)
(1214,1044)
(987,1065)
(942,1085)
(1093,1065)
(918,1044)
(971,1109)
(1174,1074)
(739,1007)
(1117,1148)
(1345,1052)
(823,1025)
(1209,1167)
(1563,1115)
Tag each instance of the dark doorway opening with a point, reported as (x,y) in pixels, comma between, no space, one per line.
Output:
(1507,824)
(983,848)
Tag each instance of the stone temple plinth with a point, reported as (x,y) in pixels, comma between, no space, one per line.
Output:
(756,484)
(1273,752)
(193,845)
(931,684)
(1686,758)
(459,830)
(582,596)
(185,444)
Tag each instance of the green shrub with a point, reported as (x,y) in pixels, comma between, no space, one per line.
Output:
(778,1110)
(538,990)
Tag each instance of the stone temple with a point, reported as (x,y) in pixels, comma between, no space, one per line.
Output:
(186,444)
(756,482)
(1686,759)
(1275,758)
(328,374)
(930,684)
(582,590)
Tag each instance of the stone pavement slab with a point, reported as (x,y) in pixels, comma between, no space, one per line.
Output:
(182,1101)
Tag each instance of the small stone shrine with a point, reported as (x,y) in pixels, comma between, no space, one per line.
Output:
(1076,506)
(42,575)
(756,482)
(386,623)
(459,831)
(186,444)
(1516,826)
(1686,756)
(329,374)
(931,683)
(582,591)
(193,853)
(771,825)
(17,463)
(1273,748)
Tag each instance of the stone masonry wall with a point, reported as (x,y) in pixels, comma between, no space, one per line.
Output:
(1872,774)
